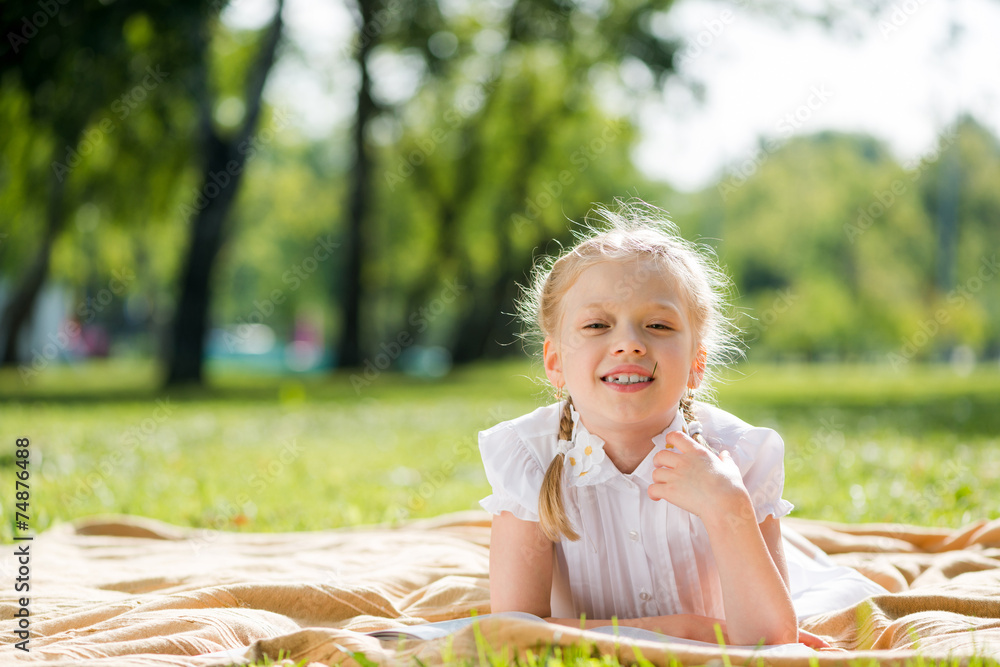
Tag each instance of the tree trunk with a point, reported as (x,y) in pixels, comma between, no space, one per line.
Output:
(225,162)
(949,185)
(349,354)
(22,303)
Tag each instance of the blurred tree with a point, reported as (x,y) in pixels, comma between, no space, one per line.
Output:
(490,53)
(224,158)
(957,185)
(510,118)
(491,171)
(284,211)
(84,68)
(836,248)
(71,62)
(406,25)
(821,233)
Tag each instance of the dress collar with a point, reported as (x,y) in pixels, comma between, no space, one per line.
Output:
(644,470)
(587,464)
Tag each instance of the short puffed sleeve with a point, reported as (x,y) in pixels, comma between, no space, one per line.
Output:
(760,454)
(515,475)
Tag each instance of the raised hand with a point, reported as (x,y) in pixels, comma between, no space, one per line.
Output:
(691,476)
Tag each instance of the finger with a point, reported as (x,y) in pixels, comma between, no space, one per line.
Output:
(702,443)
(666,459)
(811,640)
(658,491)
(685,444)
(680,441)
(663,475)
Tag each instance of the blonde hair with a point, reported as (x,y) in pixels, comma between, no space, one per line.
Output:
(634,230)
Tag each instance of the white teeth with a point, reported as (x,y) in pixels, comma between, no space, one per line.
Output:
(626,379)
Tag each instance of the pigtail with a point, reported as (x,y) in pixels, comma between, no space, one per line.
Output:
(692,426)
(687,407)
(551,512)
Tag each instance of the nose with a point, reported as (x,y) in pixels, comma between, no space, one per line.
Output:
(628,341)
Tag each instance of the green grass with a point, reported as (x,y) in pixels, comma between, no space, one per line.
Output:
(271,454)
(260,454)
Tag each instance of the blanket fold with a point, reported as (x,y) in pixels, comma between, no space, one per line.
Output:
(129,591)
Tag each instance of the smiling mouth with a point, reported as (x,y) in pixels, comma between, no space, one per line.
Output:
(626,379)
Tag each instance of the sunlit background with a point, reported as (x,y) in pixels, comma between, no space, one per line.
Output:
(259,261)
(184,187)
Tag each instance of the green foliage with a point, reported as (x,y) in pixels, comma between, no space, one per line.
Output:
(836,248)
(24,168)
(503,142)
(485,173)
(840,252)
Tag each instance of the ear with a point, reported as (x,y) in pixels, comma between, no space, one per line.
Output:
(697,372)
(553,364)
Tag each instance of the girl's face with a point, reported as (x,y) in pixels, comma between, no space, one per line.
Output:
(619,320)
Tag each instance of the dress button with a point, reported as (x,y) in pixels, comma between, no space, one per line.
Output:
(644,596)
(633,535)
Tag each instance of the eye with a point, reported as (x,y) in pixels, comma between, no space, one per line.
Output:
(595,325)
(661,326)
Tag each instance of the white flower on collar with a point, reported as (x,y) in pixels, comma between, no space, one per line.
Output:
(584,455)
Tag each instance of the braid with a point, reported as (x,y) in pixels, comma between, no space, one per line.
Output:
(551,513)
(694,428)
(687,407)
(566,421)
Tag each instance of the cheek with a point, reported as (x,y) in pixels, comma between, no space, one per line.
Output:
(674,368)
(580,362)
(572,341)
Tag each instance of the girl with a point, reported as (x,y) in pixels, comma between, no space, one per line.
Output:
(627,498)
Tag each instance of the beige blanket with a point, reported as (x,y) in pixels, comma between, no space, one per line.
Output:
(124,591)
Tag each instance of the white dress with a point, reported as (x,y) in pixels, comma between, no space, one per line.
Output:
(640,557)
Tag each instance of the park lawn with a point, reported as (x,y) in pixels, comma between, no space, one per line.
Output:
(257,453)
